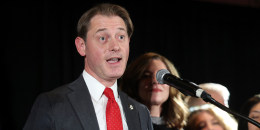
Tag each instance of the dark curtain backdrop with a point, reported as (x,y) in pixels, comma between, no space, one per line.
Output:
(207,42)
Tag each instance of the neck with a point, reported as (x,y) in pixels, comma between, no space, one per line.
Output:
(155,110)
(105,82)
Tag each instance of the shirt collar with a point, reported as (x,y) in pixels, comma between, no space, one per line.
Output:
(95,88)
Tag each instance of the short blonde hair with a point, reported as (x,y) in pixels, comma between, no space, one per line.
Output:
(217,88)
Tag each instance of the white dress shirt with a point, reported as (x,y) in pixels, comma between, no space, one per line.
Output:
(99,100)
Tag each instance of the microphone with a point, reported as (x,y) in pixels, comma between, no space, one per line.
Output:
(163,76)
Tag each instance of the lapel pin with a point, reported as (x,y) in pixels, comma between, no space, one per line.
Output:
(131,107)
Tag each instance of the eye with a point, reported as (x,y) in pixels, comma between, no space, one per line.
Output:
(255,116)
(201,125)
(102,38)
(215,122)
(146,75)
(121,37)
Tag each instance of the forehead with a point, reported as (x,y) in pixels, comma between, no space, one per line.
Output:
(156,64)
(204,115)
(216,95)
(256,108)
(103,21)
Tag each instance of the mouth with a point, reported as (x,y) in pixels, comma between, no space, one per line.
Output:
(114,60)
(156,90)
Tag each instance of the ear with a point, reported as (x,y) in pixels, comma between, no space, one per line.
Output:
(80,45)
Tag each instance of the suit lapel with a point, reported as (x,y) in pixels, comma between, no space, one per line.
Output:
(131,113)
(81,102)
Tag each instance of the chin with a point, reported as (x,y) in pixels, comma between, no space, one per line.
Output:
(156,101)
(116,75)
(117,72)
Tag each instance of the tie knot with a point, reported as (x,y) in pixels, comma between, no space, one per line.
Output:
(109,93)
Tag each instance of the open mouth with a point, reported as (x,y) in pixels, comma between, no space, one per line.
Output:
(114,60)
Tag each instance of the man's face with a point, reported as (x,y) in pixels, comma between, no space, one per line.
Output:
(107,48)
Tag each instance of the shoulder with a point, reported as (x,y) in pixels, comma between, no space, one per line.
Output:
(60,93)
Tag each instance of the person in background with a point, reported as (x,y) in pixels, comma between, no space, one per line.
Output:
(217,91)
(210,117)
(167,108)
(103,39)
(250,108)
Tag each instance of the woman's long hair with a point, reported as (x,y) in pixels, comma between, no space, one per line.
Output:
(174,110)
(247,106)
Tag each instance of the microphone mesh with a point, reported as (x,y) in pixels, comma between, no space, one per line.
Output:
(160,74)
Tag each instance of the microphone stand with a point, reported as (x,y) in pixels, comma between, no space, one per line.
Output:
(207,98)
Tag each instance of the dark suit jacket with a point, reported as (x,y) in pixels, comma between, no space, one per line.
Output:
(69,107)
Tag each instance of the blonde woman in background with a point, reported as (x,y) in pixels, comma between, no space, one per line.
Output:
(210,117)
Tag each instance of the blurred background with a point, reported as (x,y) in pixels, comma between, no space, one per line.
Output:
(208,41)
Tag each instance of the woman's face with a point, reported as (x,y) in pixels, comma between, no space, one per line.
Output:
(150,91)
(255,115)
(205,121)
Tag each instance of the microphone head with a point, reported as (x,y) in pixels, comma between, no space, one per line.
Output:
(160,74)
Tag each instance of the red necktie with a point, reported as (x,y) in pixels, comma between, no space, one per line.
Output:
(113,115)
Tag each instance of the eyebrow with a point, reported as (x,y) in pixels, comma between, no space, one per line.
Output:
(256,111)
(147,71)
(123,29)
(103,29)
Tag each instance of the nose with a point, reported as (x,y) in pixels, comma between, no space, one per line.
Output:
(209,126)
(154,80)
(114,45)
